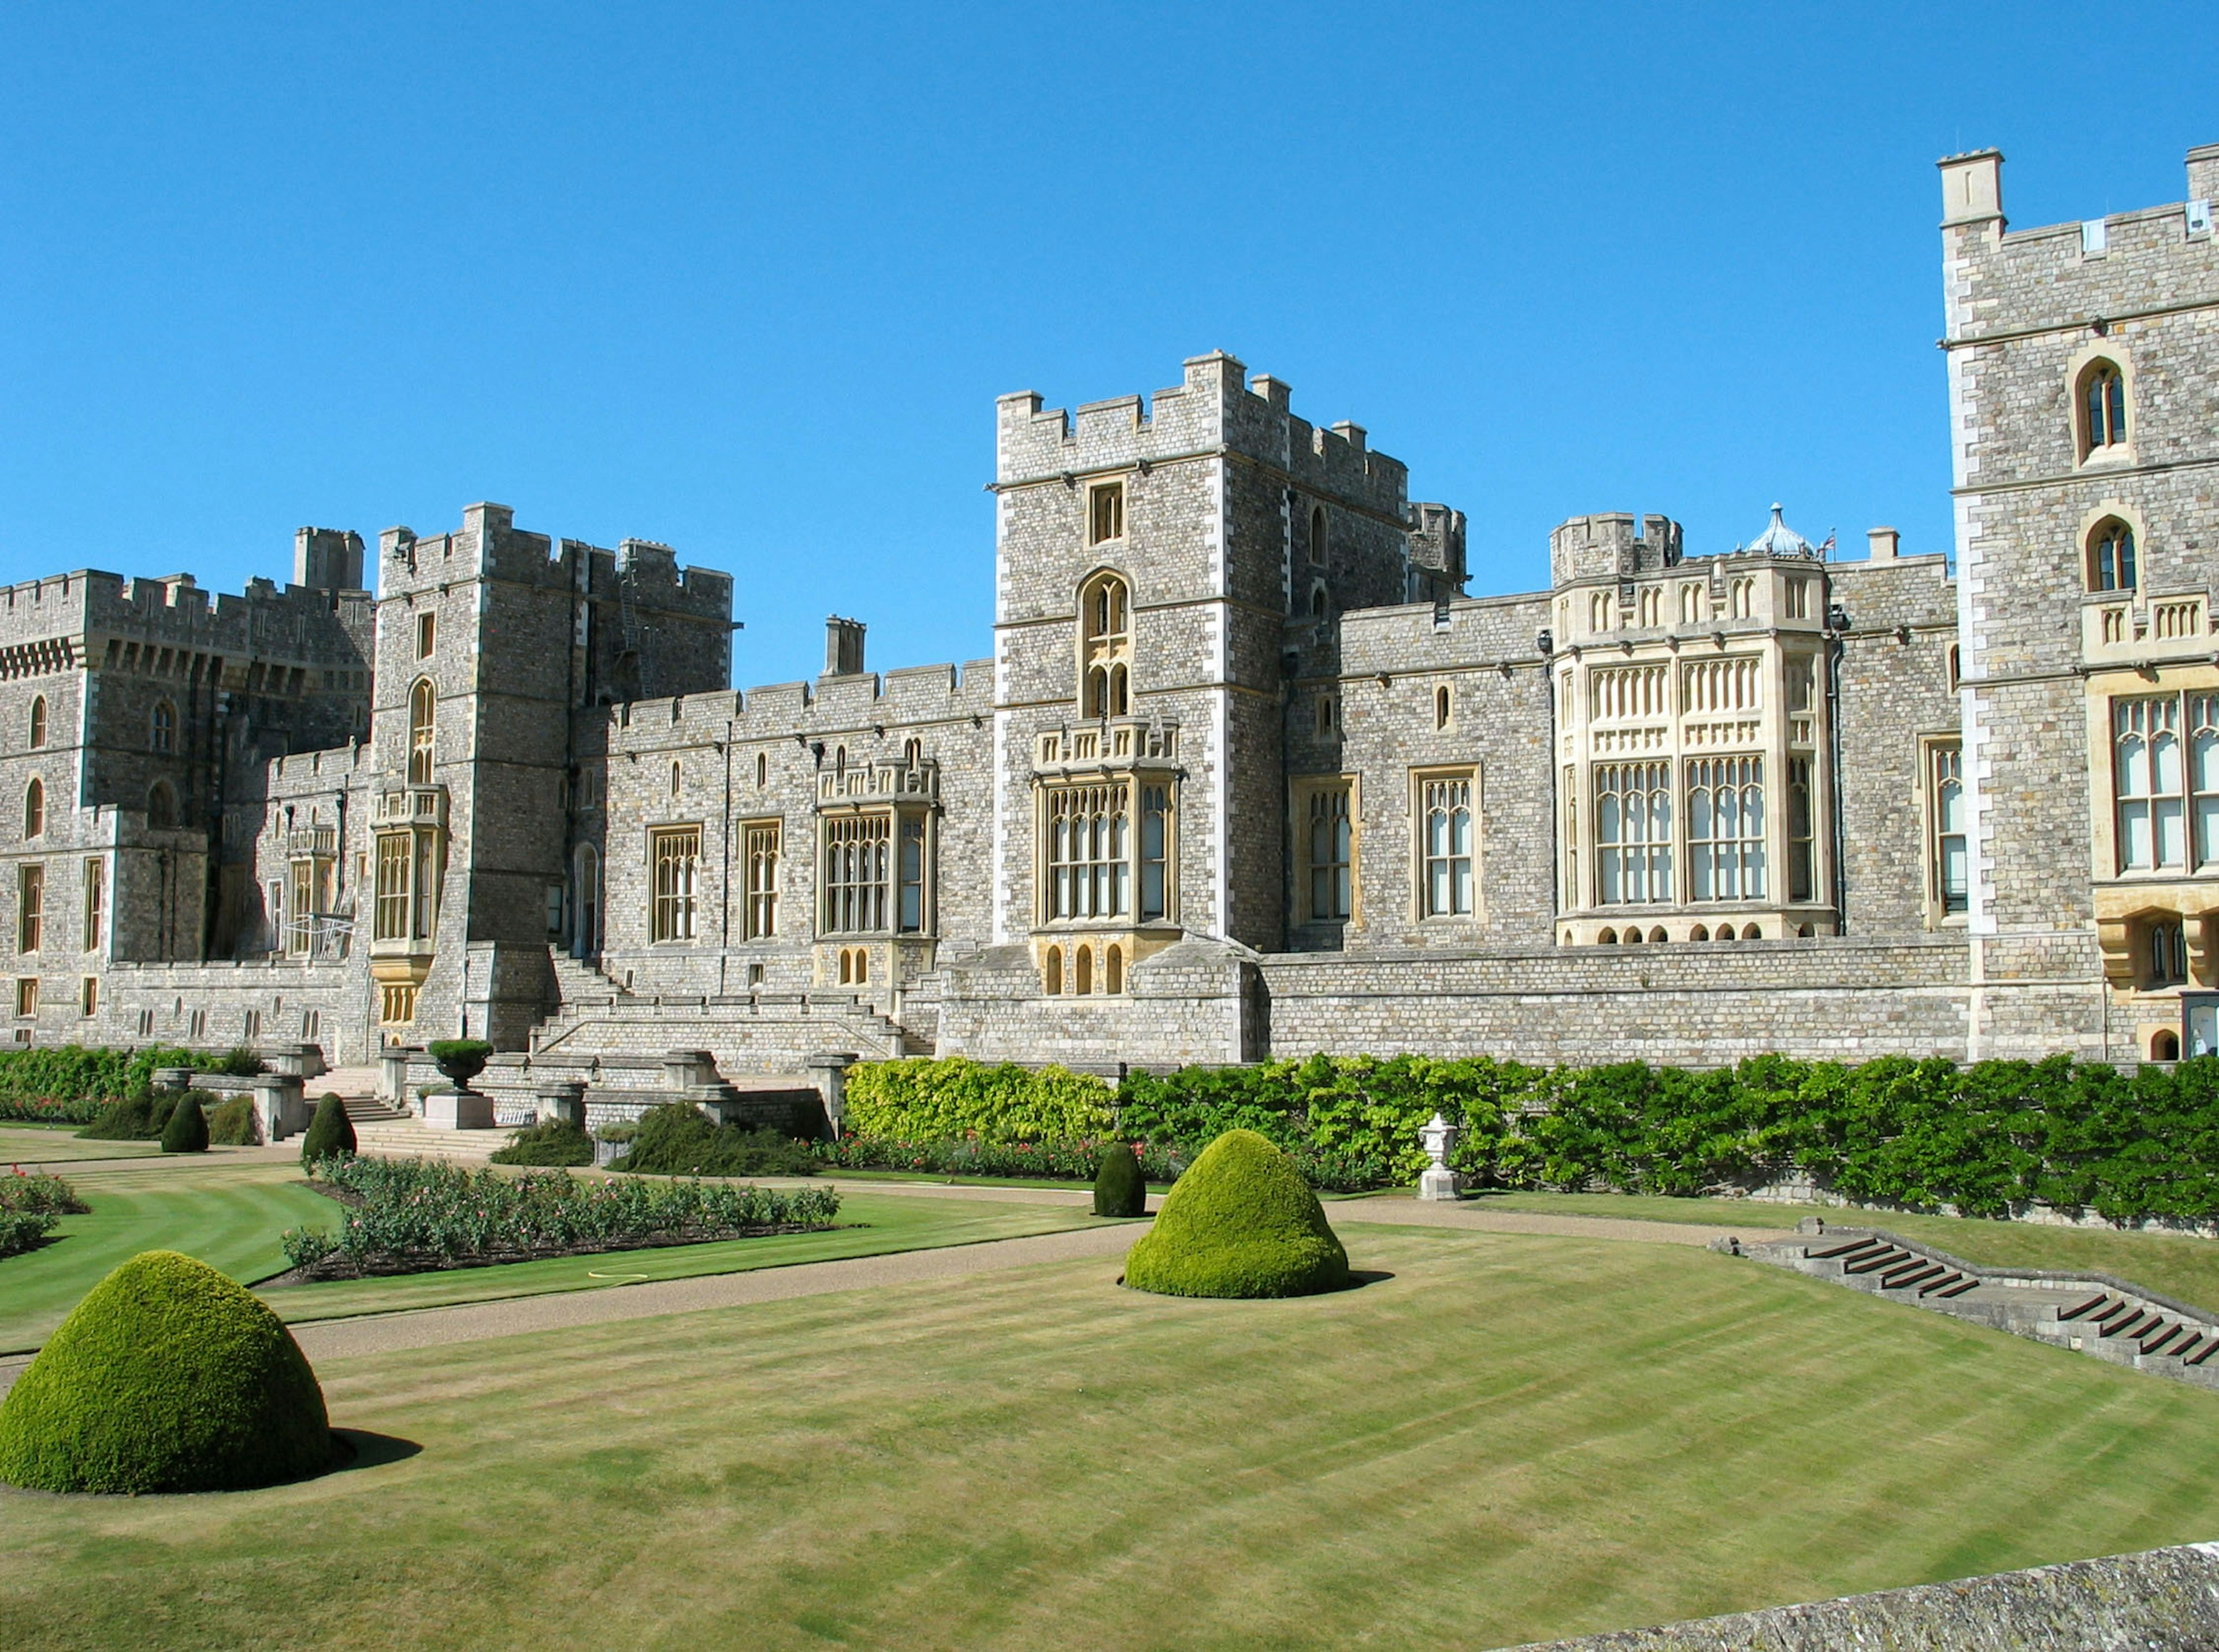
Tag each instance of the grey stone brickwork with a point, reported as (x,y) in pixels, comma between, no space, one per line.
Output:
(593,848)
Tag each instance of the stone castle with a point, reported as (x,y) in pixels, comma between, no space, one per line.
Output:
(1248,773)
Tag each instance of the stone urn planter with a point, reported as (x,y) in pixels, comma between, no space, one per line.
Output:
(458,1107)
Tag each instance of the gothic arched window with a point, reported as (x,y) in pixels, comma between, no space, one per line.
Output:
(421,701)
(1106,647)
(2103,406)
(2111,557)
(37,722)
(162,733)
(34,808)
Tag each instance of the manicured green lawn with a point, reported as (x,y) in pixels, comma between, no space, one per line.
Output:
(230,1216)
(2176,1265)
(31,1144)
(871,1224)
(1512,1437)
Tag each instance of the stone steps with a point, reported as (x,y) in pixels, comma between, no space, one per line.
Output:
(2092,1315)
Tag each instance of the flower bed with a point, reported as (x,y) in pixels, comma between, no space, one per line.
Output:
(1057,1161)
(30,1205)
(410,1216)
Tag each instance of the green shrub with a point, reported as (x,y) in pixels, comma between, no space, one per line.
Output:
(187,1130)
(1240,1222)
(330,1132)
(167,1377)
(238,1062)
(232,1123)
(677,1138)
(1118,1189)
(24,1190)
(616,1131)
(918,1100)
(140,1116)
(968,1156)
(466,1056)
(68,1083)
(552,1141)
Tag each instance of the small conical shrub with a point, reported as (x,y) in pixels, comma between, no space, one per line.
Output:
(1119,1189)
(167,1377)
(330,1132)
(187,1131)
(1240,1222)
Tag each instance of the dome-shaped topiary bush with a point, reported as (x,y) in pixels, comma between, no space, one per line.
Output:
(330,1132)
(167,1377)
(1119,1189)
(1240,1222)
(187,1131)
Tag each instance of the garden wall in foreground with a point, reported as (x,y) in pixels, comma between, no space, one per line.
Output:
(2160,1600)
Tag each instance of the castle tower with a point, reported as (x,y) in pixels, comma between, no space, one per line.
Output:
(2080,359)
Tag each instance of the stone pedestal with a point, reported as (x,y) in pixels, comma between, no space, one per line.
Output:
(1440,1184)
(303,1060)
(458,1109)
(171,1079)
(1438,1138)
(561,1098)
(829,1068)
(281,1107)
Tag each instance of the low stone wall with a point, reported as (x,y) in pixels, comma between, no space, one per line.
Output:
(2160,1600)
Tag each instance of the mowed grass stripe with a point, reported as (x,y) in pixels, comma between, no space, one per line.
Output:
(1514,1437)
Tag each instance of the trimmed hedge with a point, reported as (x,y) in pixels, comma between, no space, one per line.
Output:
(1986,1140)
(138,1117)
(330,1134)
(1051,1161)
(1240,1222)
(233,1123)
(554,1142)
(678,1139)
(1119,1189)
(187,1130)
(69,1083)
(925,1101)
(167,1377)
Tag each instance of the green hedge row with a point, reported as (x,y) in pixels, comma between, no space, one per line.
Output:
(67,1084)
(1984,1138)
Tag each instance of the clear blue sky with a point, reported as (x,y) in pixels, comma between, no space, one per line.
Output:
(748,281)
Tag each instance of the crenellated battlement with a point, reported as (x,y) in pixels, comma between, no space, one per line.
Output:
(1612,545)
(911,696)
(1214,407)
(490,546)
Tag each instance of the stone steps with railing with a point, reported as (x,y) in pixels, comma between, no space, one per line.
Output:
(2091,1313)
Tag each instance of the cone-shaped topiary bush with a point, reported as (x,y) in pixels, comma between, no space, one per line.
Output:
(187,1131)
(167,1377)
(1240,1222)
(330,1132)
(1119,1189)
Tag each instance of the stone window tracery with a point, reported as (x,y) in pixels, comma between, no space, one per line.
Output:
(855,868)
(1331,843)
(422,711)
(1949,863)
(1106,647)
(759,842)
(1105,513)
(1445,882)
(1802,856)
(1726,829)
(1633,833)
(675,859)
(2167,787)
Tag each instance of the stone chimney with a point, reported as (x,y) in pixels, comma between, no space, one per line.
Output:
(843,647)
(1883,541)
(1972,187)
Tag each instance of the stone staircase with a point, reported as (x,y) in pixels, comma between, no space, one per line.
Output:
(2089,1314)
(381,1131)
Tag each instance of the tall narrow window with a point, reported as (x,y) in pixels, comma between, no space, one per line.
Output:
(161,806)
(427,634)
(34,808)
(391,915)
(1082,970)
(1105,513)
(2103,406)
(1332,843)
(38,720)
(162,734)
(96,902)
(762,769)
(2145,756)
(425,875)
(909,916)
(1155,853)
(586,901)
(2111,557)
(2203,777)
(2168,953)
(1802,872)
(1054,971)
(1442,707)
(1726,829)
(1445,871)
(761,841)
(30,907)
(1952,861)
(674,854)
(854,870)
(1317,536)
(421,712)
(677,777)
(1113,971)
(1633,832)
(1105,646)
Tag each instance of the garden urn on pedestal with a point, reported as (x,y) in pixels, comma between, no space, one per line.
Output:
(458,1107)
(1439,1182)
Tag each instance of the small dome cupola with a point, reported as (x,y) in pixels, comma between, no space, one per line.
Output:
(1780,540)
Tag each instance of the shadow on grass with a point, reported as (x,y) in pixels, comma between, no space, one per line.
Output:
(358,1448)
(1359,1277)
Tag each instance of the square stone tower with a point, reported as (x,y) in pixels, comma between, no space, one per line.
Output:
(2083,402)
